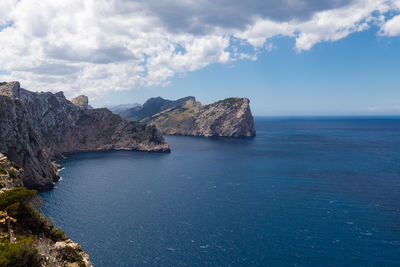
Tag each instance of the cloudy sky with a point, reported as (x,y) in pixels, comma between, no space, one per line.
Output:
(290,57)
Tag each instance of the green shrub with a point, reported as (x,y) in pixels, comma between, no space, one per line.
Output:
(34,220)
(38,223)
(15,165)
(58,234)
(19,195)
(3,171)
(71,255)
(23,253)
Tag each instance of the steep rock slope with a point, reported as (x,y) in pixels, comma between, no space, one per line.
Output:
(21,143)
(39,127)
(186,116)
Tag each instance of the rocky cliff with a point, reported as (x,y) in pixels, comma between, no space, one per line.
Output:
(186,116)
(27,237)
(37,128)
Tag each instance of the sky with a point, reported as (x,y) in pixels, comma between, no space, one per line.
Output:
(289,57)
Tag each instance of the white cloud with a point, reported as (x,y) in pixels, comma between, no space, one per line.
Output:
(5,7)
(93,46)
(329,25)
(391,27)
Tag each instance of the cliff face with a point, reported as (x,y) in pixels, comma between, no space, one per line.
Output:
(32,238)
(39,127)
(21,143)
(186,116)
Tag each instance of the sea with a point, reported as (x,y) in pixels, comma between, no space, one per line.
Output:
(306,191)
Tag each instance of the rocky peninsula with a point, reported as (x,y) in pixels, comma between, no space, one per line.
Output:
(186,116)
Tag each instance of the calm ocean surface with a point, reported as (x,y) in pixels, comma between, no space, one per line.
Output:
(304,192)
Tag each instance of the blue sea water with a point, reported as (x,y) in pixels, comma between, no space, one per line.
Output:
(304,192)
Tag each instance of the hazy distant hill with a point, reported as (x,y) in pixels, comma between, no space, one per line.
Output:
(117,109)
(152,106)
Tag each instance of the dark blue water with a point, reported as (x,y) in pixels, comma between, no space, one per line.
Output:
(306,192)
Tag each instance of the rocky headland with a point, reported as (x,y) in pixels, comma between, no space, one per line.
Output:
(37,128)
(186,116)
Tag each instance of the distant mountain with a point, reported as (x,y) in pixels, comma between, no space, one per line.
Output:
(186,116)
(152,106)
(117,109)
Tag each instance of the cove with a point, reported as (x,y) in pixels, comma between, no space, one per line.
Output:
(305,191)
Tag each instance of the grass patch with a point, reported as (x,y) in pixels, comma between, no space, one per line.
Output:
(3,171)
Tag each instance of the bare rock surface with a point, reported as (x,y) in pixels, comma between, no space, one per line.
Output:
(81,101)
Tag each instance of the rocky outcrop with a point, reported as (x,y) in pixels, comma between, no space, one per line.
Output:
(62,253)
(186,116)
(39,127)
(49,246)
(81,101)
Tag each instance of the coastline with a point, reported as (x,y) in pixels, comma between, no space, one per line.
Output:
(33,238)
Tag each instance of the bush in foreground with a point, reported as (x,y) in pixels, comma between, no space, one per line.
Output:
(20,254)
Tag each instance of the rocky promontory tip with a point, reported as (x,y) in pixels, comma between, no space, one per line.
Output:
(185,116)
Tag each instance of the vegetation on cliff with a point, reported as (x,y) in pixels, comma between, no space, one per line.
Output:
(27,237)
(24,230)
